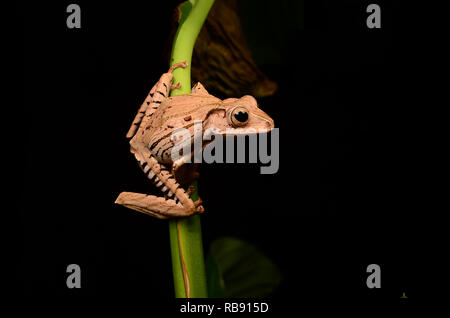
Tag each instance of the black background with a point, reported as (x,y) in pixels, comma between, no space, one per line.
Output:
(343,198)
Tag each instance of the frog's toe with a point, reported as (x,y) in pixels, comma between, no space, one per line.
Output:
(180,64)
(178,85)
(199,209)
(198,206)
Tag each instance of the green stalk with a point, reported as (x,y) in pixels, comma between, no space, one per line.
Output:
(185,234)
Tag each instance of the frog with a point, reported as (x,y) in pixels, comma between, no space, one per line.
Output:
(151,141)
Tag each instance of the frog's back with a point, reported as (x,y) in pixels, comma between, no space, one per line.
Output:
(174,113)
(176,110)
(187,104)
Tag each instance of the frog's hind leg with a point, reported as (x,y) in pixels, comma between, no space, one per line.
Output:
(162,178)
(157,94)
(179,202)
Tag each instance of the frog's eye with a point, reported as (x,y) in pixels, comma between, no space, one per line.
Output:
(238,116)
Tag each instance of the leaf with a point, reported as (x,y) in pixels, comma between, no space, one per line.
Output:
(242,270)
(214,279)
(183,10)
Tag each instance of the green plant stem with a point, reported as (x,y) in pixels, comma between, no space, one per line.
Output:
(185,234)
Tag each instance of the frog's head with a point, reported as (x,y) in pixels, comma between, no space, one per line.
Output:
(237,115)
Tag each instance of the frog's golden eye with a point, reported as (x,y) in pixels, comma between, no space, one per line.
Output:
(238,116)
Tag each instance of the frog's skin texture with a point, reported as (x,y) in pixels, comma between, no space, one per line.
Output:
(151,141)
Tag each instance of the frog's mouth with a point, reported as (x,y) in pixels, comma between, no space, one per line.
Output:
(245,131)
(241,131)
(264,120)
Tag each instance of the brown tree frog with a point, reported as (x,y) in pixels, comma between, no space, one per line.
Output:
(151,143)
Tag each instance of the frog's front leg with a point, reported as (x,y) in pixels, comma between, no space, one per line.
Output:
(158,206)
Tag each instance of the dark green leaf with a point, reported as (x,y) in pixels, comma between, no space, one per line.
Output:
(213,278)
(184,9)
(244,270)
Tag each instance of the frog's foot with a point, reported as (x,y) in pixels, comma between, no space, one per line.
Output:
(198,206)
(177,164)
(184,172)
(190,190)
(178,85)
(180,64)
(158,207)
